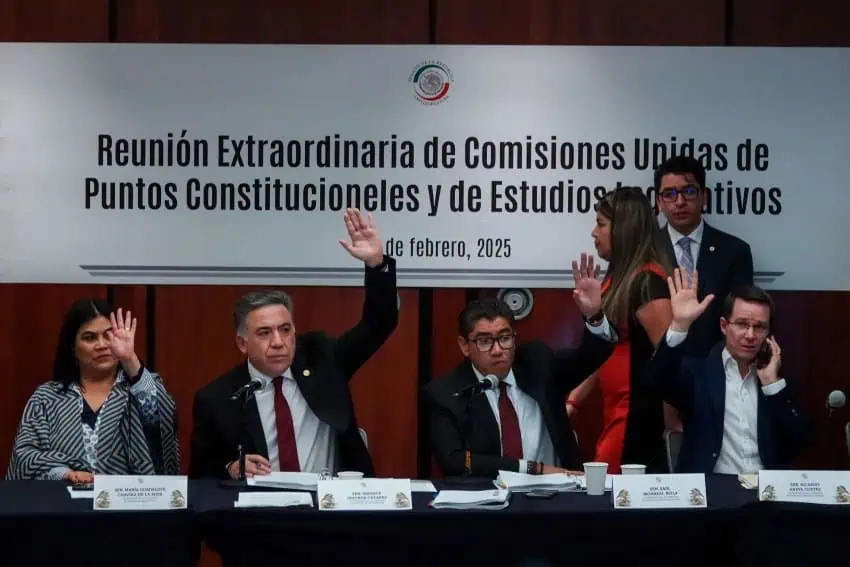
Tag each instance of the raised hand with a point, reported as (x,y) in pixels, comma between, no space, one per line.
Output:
(770,373)
(122,340)
(588,291)
(683,299)
(365,244)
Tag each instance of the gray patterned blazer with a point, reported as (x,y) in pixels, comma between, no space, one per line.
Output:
(135,432)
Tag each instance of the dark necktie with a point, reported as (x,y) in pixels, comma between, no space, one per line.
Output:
(511,437)
(287,452)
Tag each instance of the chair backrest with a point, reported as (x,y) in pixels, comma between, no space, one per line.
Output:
(364,436)
(673,443)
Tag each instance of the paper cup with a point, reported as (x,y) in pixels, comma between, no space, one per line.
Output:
(633,469)
(349,475)
(595,474)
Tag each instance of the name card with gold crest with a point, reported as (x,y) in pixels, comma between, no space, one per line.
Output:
(641,491)
(811,487)
(149,492)
(365,494)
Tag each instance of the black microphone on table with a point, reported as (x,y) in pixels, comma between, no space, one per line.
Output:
(489,382)
(246,390)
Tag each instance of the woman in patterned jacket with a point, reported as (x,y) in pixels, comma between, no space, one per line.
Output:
(103,412)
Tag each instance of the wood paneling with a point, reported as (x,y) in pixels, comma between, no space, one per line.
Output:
(274,21)
(580,22)
(815,23)
(54,20)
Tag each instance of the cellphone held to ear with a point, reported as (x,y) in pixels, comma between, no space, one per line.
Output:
(764,354)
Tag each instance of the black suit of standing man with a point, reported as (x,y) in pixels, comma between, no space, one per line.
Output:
(302,417)
(522,425)
(724,262)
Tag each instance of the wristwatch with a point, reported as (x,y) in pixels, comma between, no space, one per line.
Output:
(596,318)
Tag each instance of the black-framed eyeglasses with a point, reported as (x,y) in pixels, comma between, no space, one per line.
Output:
(485,343)
(688,192)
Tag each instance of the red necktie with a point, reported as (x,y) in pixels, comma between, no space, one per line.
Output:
(287,452)
(511,437)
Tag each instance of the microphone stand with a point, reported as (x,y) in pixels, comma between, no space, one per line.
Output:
(468,427)
(243,439)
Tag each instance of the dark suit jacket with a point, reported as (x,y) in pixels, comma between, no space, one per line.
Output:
(541,373)
(724,263)
(697,388)
(331,361)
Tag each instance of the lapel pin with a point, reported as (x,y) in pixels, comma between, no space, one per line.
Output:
(306,372)
(711,248)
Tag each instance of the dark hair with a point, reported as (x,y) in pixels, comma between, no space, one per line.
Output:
(489,308)
(636,241)
(256,300)
(680,165)
(66,369)
(751,293)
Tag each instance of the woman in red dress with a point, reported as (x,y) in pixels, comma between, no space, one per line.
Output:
(637,300)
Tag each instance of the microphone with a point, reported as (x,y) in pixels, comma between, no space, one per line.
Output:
(246,390)
(490,382)
(835,400)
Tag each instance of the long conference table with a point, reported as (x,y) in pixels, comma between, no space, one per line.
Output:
(42,525)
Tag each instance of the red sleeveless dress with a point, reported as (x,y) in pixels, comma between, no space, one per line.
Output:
(614,383)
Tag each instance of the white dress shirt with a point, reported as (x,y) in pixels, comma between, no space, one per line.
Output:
(696,241)
(739,451)
(536,442)
(314,439)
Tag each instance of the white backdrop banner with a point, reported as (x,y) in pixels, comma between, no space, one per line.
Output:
(220,164)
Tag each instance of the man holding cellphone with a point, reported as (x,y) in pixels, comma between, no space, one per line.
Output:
(739,416)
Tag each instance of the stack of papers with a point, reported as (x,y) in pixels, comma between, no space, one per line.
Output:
(286,480)
(274,500)
(471,500)
(521,482)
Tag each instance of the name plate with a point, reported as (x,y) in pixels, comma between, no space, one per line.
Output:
(811,487)
(636,491)
(149,492)
(365,494)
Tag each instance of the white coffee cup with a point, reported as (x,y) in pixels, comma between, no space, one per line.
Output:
(349,475)
(633,469)
(595,475)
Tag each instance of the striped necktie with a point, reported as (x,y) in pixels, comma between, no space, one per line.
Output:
(687,262)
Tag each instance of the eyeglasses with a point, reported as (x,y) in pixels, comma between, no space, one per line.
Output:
(689,192)
(485,343)
(743,327)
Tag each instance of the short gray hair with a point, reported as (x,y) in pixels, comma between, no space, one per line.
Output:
(256,300)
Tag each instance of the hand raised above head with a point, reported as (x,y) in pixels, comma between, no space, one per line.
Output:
(365,244)
(684,302)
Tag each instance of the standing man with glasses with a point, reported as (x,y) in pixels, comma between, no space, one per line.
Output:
(518,421)
(739,414)
(724,262)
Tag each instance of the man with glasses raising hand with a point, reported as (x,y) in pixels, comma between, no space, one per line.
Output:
(739,415)
(502,407)
(724,262)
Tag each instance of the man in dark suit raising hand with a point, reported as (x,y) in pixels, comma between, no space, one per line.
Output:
(519,424)
(301,417)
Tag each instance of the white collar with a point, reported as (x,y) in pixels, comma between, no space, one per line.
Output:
(260,377)
(695,235)
(726,356)
(509,379)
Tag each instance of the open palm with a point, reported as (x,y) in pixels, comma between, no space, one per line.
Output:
(365,244)
(122,335)
(588,290)
(684,301)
